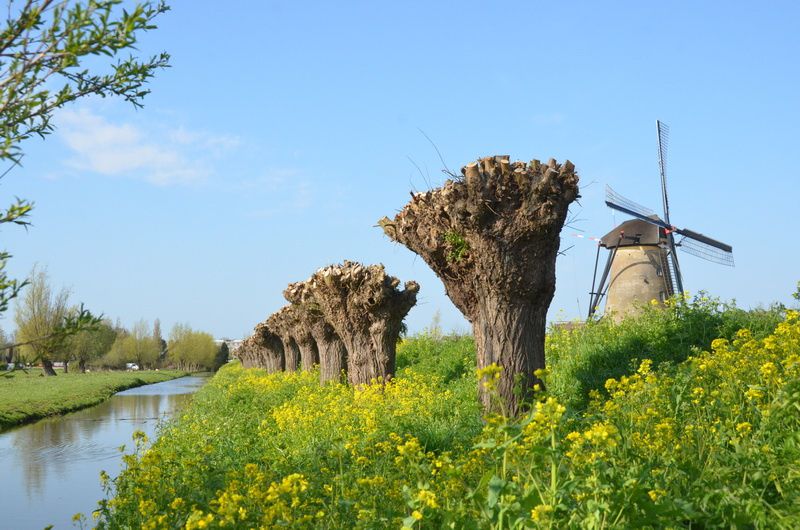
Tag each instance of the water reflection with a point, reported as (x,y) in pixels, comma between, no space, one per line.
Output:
(55,463)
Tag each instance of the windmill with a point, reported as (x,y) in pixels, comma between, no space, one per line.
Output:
(642,263)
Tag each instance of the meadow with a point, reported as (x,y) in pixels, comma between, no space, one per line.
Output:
(29,396)
(687,417)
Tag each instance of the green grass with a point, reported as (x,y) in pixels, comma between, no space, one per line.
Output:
(582,359)
(26,397)
(450,357)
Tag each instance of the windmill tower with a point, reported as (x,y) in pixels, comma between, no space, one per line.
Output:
(642,263)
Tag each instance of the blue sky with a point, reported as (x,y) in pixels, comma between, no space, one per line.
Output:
(285,130)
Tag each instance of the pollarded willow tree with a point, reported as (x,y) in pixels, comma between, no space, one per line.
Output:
(299,348)
(365,307)
(270,348)
(493,237)
(248,354)
(332,351)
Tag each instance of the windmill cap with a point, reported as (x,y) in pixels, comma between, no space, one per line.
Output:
(635,232)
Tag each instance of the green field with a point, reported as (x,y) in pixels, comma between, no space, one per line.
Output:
(674,419)
(26,397)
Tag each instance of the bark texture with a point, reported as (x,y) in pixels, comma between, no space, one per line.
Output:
(247,353)
(47,368)
(270,348)
(332,351)
(493,237)
(366,309)
(285,324)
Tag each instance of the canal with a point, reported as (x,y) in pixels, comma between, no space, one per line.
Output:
(49,470)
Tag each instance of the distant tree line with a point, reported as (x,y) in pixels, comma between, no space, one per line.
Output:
(40,316)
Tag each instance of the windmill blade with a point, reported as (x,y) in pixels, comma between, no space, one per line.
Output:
(707,252)
(650,219)
(663,143)
(618,202)
(697,236)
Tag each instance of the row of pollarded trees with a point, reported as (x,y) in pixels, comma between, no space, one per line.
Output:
(345,318)
(492,237)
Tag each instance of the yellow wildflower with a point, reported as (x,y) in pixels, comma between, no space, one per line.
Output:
(656,494)
(428,498)
(754,393)
(744,428)
(541,512)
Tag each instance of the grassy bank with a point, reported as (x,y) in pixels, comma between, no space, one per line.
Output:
(26,397)
(702,435)
(583,359)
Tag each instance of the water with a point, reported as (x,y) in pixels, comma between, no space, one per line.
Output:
(49,470)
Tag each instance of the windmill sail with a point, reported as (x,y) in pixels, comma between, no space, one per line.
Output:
(705,251)
(663,143)
(618,202)
(692,242)
(669,267)
(697,236)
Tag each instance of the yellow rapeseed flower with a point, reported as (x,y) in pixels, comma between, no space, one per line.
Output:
(744,428)
(541,512)
(428,498)
(656,494)
(489,376)
(754,393)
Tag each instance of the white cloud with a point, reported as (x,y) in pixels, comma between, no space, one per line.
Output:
(161,156)
(218,144)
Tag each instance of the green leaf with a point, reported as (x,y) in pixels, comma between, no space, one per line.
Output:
(496,485)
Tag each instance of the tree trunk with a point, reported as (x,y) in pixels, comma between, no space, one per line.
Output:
(47,367)
(66,367)
(285,325)
(271,355)
(248,353)
(309,353)
(332,360)
(370,357)
(244,354)
(291,354)
(363,365)
(330,350)
(270,348)
(385,334)
(273,361)
(82,366)
(509,334)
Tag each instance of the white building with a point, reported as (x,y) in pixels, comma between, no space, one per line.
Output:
(233,344)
